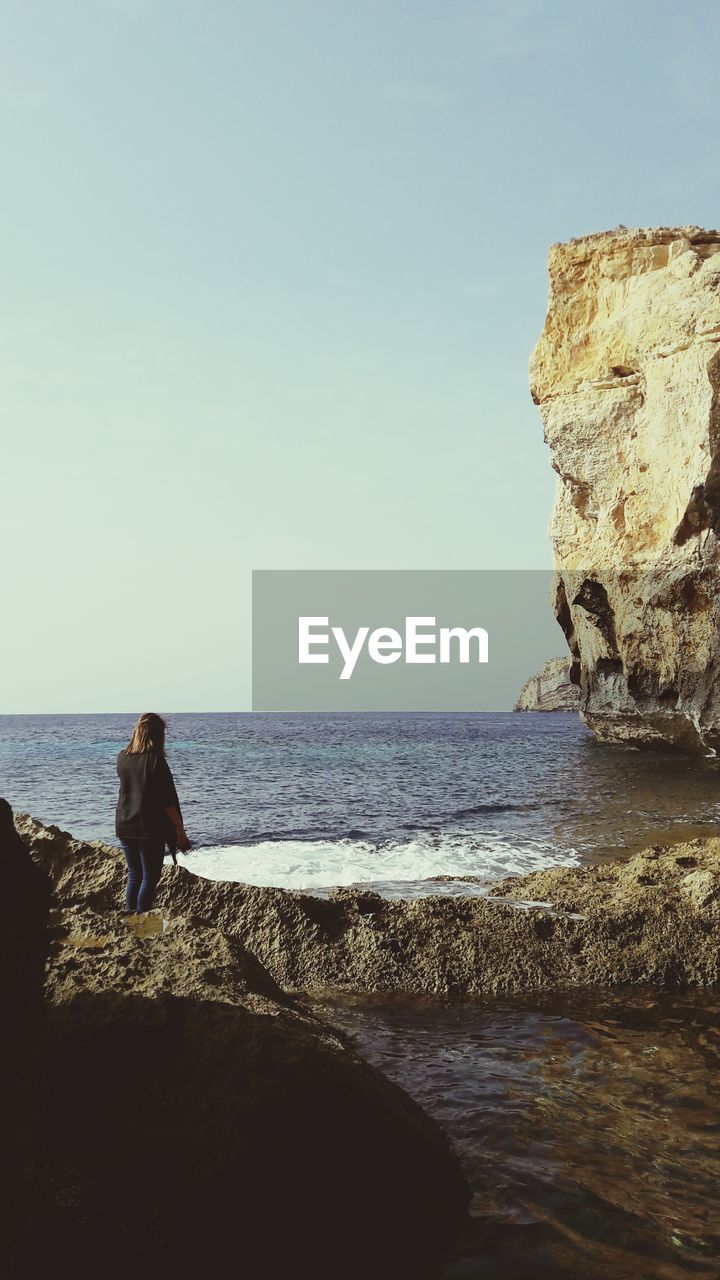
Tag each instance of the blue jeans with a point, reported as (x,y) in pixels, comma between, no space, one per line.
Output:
(144,862)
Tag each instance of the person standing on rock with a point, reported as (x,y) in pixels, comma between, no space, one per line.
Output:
(148,814)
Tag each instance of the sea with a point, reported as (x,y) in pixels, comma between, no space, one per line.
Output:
(588,1123)
(312,801)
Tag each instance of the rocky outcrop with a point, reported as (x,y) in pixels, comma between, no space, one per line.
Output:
(626,375)
(654,919)
(197,1113)
(550,690)
(23,948)
(195,1110)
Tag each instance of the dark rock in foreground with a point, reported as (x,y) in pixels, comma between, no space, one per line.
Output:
(199,1118)
(23,948)
(189,1092)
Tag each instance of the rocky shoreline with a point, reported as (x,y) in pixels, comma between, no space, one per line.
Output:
(653,919)
(190,1112)
(184,1067)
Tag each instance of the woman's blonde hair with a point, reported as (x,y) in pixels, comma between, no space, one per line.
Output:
(148,735)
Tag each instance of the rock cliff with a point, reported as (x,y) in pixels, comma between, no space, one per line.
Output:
(626,375)
(551,689)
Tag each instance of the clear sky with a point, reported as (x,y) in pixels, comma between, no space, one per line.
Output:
(272,271)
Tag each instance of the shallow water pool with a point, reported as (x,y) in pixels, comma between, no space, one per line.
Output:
(589,1126)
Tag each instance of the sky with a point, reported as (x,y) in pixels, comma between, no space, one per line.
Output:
(272,273)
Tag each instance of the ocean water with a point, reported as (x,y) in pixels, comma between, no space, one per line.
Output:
(587,1124)
(314,801)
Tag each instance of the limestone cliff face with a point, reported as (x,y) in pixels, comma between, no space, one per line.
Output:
(626,375)
(550,690)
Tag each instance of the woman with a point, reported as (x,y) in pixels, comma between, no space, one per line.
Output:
(148,811)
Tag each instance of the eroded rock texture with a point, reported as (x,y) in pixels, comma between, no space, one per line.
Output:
(654,919)
(198,1114)
(626,375)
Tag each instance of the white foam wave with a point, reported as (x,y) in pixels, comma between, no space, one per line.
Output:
(317,864)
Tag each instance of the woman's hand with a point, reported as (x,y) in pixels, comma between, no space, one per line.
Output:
(183,843)
(175,817)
